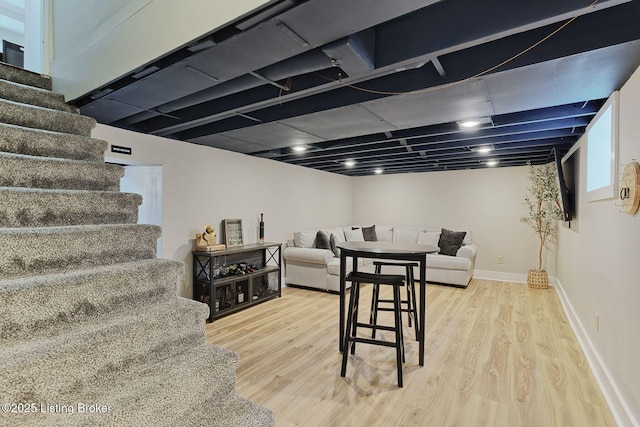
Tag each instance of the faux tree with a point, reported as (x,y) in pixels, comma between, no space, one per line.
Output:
(543,204)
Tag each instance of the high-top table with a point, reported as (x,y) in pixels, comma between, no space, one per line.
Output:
(386,251)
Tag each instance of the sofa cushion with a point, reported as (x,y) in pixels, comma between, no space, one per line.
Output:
(333,267)
(369,234)
(384,233)
(406,235)
(429,238)
(354,235)
(322,240)
(334,240)
(450,241)
(446,262)
(304,239)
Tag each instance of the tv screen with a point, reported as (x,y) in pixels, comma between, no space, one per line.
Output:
(565,194)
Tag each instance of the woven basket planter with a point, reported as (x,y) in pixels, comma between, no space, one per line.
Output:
(538,279)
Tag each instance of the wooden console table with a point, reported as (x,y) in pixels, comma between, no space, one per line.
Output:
(236,278)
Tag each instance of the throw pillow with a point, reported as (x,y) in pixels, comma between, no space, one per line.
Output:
(369,234)
(304,239)
(322,240)
(467,238)
(429,238)
(335,230)
(354,235)
(333,240)
(450,241)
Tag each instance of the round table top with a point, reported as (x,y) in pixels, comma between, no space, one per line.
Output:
(377,248)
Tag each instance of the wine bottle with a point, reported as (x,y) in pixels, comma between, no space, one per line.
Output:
(261,235)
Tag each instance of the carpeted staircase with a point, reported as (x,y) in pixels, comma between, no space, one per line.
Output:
(91,330)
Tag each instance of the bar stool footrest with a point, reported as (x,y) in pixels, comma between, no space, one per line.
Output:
(373,342)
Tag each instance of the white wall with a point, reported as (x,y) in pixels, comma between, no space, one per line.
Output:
(203,185)
(486,201)
(599,272)
(92,38)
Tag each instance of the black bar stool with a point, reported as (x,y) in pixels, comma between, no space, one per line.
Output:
(350,336)
(412,306)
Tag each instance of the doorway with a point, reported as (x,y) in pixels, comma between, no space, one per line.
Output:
(146,180)
(22,34)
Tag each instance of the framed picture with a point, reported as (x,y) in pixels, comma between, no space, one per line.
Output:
(232,232)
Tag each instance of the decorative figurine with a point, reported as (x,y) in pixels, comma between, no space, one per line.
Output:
(207,241)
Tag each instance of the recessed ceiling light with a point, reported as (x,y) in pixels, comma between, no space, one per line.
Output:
(467,124)
(350,163)
(299,148)
(378,171)
(492,163)
(474,122)
(482,149)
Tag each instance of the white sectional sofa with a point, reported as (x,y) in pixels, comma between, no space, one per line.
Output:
(309,263)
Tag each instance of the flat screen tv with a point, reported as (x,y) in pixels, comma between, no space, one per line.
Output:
(565,192)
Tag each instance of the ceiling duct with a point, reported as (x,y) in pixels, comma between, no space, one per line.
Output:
(252,50)
(354,54)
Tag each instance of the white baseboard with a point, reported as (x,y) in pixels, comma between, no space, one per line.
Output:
(618,406)
(505,277)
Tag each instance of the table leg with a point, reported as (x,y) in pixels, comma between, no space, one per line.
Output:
(343,273)
(423,304)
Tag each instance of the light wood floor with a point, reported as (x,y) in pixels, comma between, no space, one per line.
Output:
(497,354)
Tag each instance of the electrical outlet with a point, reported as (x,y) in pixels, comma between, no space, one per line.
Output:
(596,322)
(500,259)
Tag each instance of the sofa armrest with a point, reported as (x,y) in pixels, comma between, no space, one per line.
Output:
(310,255)
(468,251)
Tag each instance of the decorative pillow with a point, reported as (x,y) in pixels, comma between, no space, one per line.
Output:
(369,234)
(406,235)
(322,240)
(335,230)
(354,235)
(304,239)
(429,238)
(450,241)
(333,241)
(467,238)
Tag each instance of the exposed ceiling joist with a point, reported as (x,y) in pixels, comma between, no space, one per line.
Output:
(386,83)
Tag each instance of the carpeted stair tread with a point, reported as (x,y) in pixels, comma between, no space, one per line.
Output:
(18,170)
(104,345)
(25,77)
(37,142)
(47,250)
(24,94)
(164,393)
(44,118)
(201,373)
(87,313)
(32,305)
(29,207)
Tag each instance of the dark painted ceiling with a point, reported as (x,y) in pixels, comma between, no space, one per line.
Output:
(385,83)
